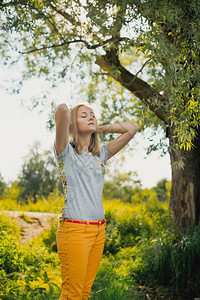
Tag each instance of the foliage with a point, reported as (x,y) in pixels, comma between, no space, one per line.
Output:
(26,218)
(8,225)
(127,188)
(142,257)
(172,261)
(53,203)
(39,175)
(49,237)
(149,63)
(127,224)
(127,39)
(120,186)
(27,271)
(11,258)
(2,186)
(12,192)
(162,190)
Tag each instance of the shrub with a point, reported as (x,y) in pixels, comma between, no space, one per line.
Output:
(173,262)
(52,203)
(128,224)
(8,225)
(112,243)
(35,285)
(27,271)
(11,259)
(132,230)
(49,237)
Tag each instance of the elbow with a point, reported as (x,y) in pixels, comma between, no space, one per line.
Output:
(136,126)
(62,109)
(133,128)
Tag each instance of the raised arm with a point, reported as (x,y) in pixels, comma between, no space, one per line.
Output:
(62,119)
(127,131)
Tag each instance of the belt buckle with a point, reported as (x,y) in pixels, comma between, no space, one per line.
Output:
(100,222)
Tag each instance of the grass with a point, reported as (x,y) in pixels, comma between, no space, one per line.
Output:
(142,258)
(52,204)
(27,218)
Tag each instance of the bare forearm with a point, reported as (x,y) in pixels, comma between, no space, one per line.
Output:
(62,118)
(62,111)
(118,128)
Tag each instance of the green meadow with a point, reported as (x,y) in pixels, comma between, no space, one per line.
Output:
(143,259)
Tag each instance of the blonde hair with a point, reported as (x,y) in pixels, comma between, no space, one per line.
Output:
(94,145)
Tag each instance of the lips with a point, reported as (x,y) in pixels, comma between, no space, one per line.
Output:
(91,124)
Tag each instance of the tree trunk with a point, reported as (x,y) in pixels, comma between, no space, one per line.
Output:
(185,190)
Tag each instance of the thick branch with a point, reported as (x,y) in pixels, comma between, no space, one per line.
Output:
(138,87)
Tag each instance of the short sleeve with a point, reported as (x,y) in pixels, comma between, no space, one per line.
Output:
(65,153)
(104,153)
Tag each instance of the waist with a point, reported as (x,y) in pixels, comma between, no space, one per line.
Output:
(100,222)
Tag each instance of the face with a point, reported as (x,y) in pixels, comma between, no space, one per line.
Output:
(86,121)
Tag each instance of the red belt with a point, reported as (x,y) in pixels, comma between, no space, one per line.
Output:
(103,221)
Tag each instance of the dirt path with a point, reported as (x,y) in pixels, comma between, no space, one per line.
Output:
(32,223)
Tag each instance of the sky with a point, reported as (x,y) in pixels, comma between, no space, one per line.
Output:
(20,128)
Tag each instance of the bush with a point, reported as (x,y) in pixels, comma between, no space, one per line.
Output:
(27,271)
(9,225)
(132,230)
(53,203)
(128,224)
(11,259)
(172,262)
(112,243)
(142,257)
(35,285)
(49,237)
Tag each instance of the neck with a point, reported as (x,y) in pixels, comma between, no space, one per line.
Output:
(84,141)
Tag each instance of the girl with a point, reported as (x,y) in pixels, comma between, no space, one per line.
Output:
(81,233)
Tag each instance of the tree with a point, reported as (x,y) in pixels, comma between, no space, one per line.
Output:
(121,186)
(3,186)
(164,33)
(161,190)
(39,175)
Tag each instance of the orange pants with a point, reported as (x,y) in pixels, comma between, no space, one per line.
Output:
(80,249)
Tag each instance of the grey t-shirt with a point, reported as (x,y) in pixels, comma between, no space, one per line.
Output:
(82,176)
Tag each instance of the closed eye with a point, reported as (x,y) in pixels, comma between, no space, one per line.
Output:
(84,115)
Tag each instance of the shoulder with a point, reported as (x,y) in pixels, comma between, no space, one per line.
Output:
(68,151)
